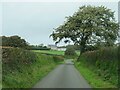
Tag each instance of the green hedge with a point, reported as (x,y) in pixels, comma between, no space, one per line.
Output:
(23,68)
(13,58)
(39,48)
(104,62)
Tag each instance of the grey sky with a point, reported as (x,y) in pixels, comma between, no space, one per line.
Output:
(35,21)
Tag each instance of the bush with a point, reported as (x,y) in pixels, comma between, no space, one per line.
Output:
(32,47)
(104,62)
(58,58)
(13,58)
(23,68)
(38,48)
(119,66)
(70,51)
(14,41)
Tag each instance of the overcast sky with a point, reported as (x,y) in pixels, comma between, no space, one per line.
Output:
(35,21)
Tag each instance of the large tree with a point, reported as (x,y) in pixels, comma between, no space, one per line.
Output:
(14,41)
(88,26)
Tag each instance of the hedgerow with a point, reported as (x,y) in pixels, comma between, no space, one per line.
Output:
(104,62)
(24,68)
(13,58)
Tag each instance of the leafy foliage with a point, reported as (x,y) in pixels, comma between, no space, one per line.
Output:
(23,68)
(89,25)
(13,58)
(70,51)
(33,47)
(104,63)
(93,79)
(14,41)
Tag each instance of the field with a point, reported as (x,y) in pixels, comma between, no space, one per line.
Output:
(54,52)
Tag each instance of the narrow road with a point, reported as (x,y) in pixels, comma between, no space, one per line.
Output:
(64,76)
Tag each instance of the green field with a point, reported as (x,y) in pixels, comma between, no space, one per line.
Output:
(55,52)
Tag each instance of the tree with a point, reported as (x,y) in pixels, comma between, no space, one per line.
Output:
(14,41)
(70,51)
(89,25)
(5,40)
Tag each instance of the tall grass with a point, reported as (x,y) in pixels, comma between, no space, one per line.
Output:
(23,68)
(103,62)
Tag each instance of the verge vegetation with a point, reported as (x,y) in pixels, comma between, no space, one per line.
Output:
(23,68)
(102,64)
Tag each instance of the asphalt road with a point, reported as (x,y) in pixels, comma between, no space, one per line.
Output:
(64,76)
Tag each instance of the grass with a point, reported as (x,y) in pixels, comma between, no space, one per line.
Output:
(0,74)
(104,62)
(0,68)
(54,52)
(93,79)
(26,76)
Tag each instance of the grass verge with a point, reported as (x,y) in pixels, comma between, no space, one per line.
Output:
(93,79)
(28,76)
(22,75)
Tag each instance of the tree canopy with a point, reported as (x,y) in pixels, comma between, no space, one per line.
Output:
(14,41)
(88,26)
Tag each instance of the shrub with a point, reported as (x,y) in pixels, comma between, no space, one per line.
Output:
(70,51)
(104,63)
(58,58)
(13,58)
(119,66)
(39,48)
(14,41)
(23,68)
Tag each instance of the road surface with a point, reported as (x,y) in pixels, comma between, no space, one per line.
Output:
(64,76)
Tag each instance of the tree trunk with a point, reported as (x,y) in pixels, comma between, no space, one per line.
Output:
(82,50)
(78,57)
